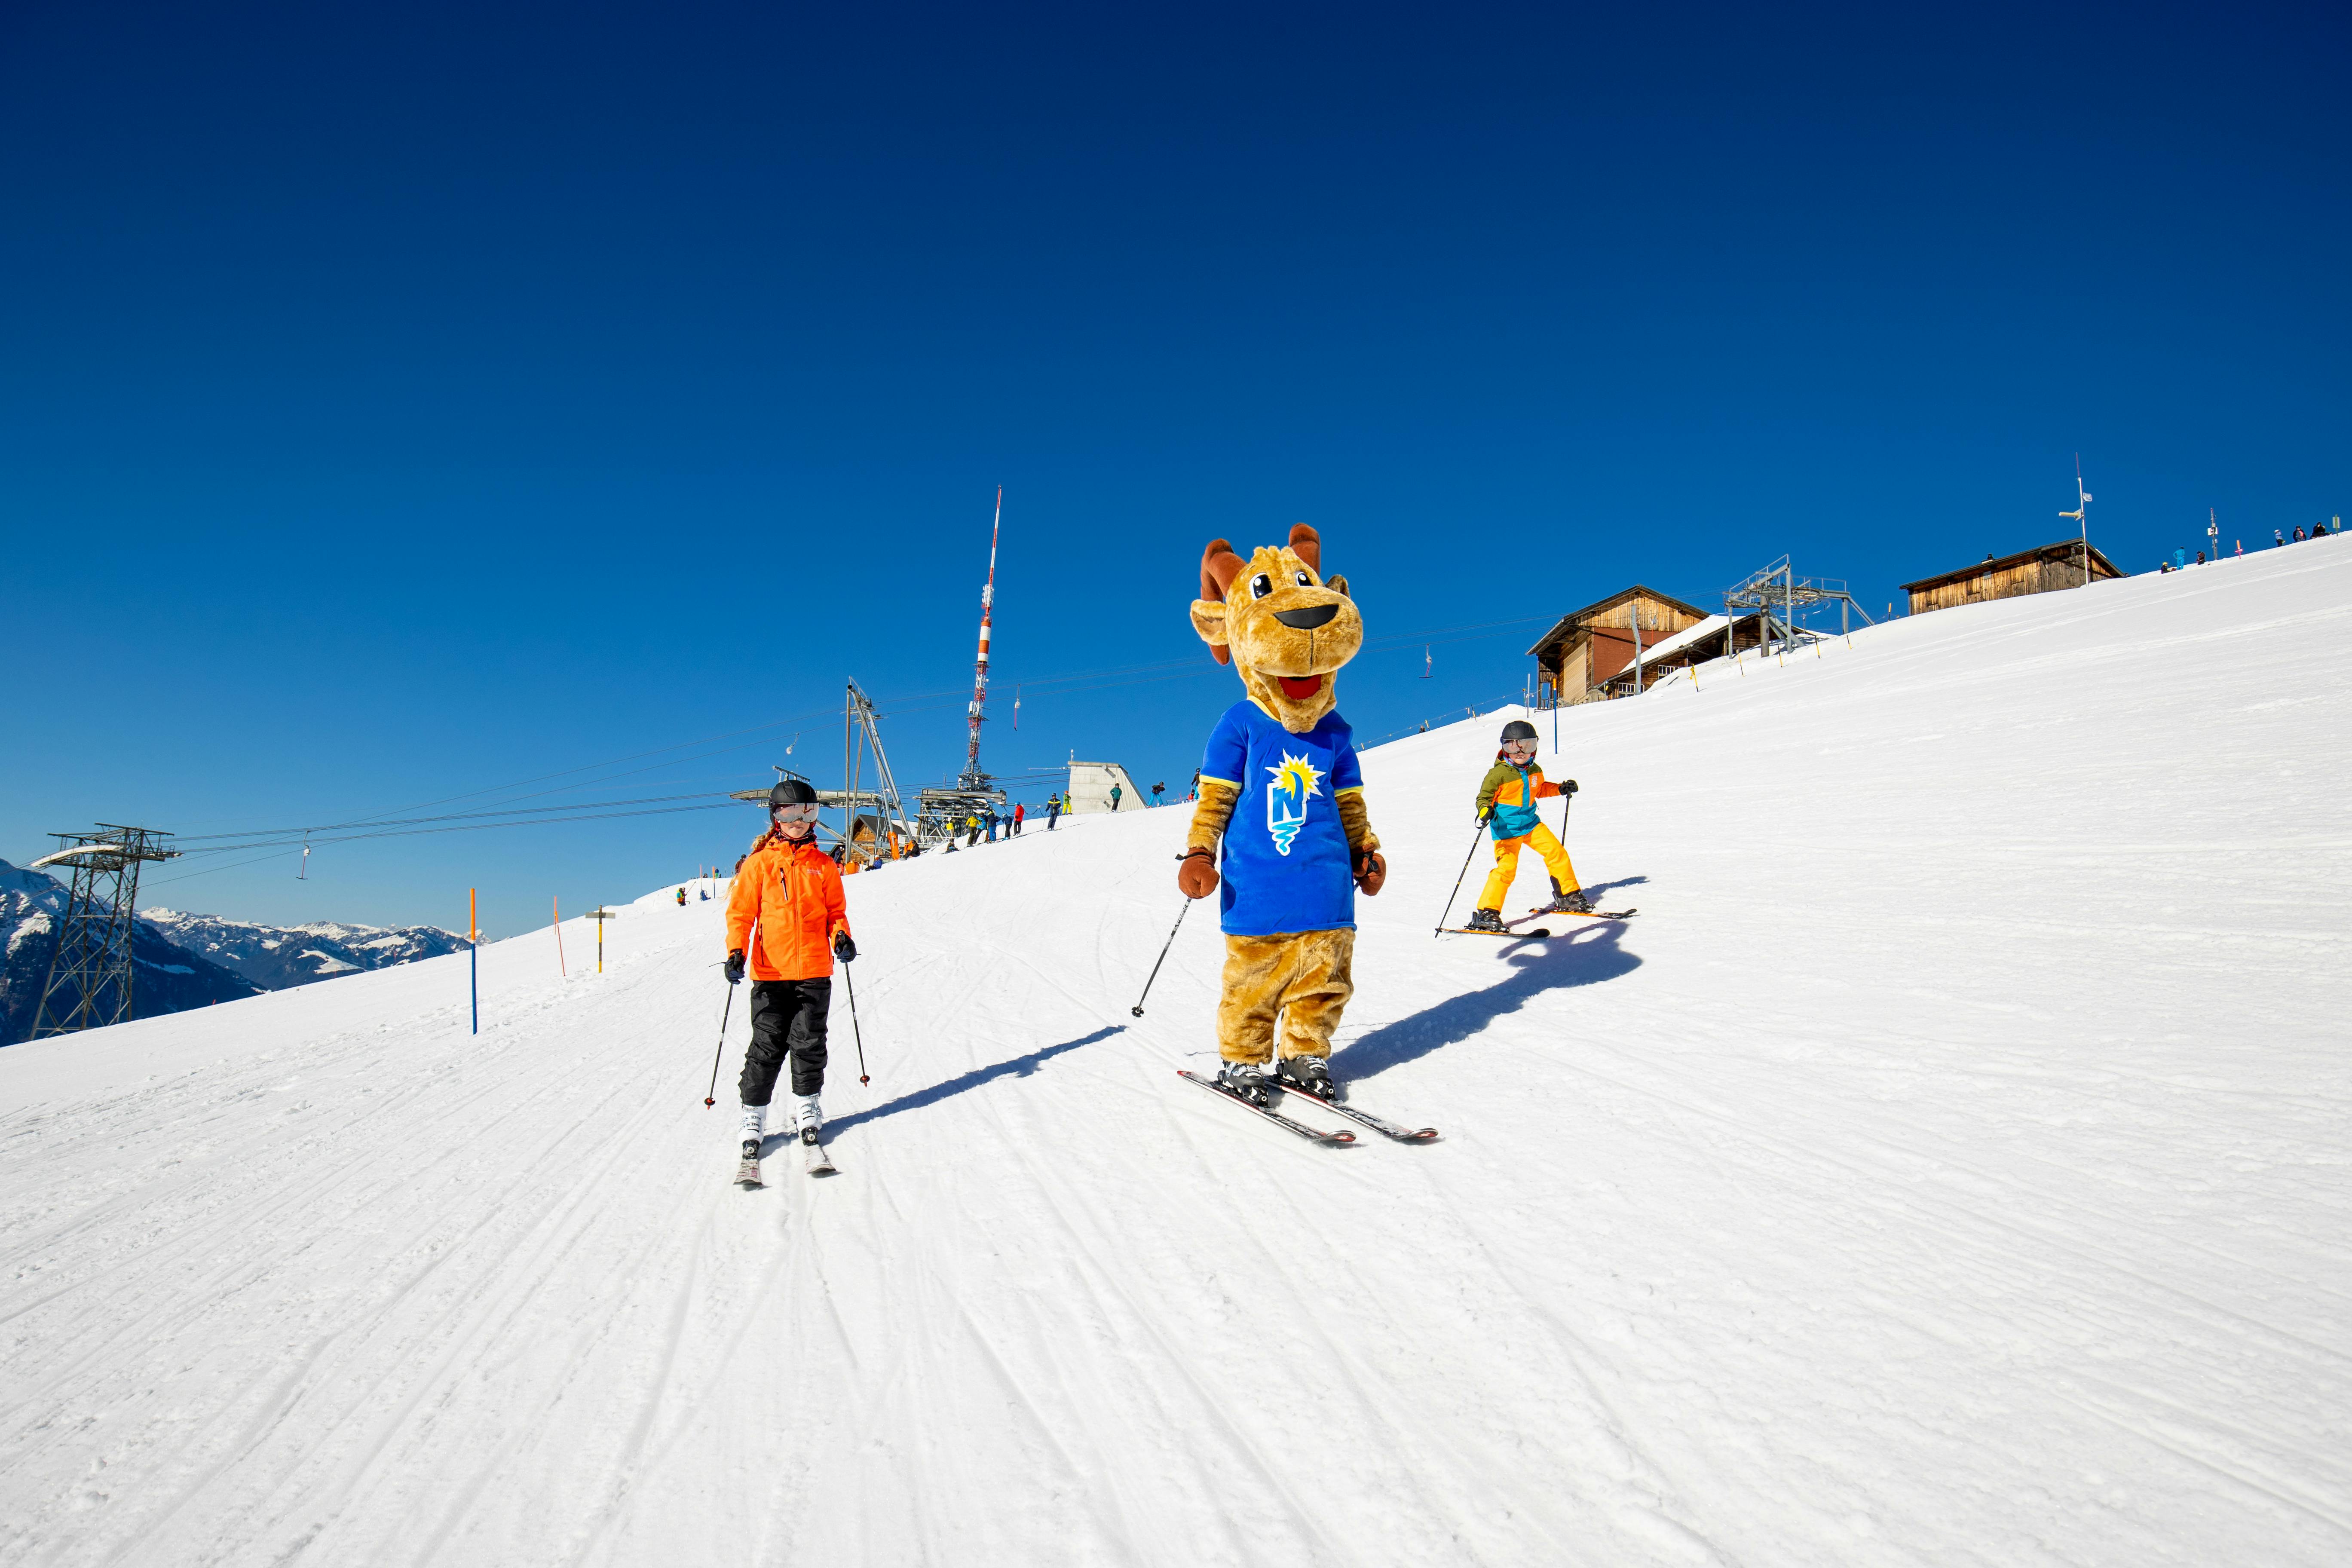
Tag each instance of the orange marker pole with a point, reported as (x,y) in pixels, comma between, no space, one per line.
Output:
(557,905)
(474,957)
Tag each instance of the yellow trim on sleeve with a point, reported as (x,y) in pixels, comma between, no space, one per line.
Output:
(1229,784)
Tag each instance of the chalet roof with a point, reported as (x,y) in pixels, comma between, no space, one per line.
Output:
(1713,626)
(2064,550)
(1569,622)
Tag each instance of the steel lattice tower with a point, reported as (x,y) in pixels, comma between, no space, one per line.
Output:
(88,982)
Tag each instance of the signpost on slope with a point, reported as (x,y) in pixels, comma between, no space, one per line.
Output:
(599,916)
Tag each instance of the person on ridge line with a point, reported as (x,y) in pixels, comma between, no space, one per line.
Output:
(1506,803)
(792,890)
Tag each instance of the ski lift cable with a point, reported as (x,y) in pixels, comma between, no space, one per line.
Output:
(258,835)
(279,853)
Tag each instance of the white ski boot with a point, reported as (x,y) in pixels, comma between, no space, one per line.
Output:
(755,1129)
(808,1117)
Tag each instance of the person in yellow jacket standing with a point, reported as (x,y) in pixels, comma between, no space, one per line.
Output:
(790,892)
(1506,803)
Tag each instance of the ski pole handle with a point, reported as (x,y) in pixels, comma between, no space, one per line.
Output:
(1137,1008)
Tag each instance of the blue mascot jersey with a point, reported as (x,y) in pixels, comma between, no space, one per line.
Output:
(1285,862)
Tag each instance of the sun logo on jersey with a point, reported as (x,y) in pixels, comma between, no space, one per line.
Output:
(1287,798)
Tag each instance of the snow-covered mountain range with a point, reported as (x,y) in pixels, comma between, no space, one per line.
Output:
(168,979)
(275,957)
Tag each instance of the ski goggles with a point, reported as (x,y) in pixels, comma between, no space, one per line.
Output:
(803,812)
(1519,749)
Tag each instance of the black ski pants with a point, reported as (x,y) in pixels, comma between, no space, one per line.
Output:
(787,1016)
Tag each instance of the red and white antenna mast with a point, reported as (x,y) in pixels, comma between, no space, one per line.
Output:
(973,777)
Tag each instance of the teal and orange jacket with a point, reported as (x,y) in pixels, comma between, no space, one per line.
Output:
(1513,793)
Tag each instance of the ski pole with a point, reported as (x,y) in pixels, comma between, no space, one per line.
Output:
(712,1098)
(1137,1008)
(1476,834)
(855,1031)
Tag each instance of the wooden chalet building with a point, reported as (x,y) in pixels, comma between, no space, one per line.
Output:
(1592,647)
(2039,570)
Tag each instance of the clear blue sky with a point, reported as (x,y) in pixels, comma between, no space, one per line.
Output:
(400,402)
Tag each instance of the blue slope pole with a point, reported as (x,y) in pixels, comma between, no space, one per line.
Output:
(474,958)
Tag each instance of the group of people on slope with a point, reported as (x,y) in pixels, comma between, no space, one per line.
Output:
(788,920)
(2181,563)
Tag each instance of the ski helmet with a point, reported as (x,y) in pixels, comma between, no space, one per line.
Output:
(792,792)
(1518,730)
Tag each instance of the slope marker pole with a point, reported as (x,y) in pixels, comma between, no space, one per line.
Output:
(474,958)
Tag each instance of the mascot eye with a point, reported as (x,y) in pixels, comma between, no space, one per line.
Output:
(1305,581)
(1261,585)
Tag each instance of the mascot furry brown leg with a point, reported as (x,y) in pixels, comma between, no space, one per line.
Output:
(1280,789)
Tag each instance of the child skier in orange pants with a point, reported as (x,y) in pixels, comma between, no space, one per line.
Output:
(1507,800)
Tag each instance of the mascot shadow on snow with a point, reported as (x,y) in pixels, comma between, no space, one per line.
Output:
(1282,795)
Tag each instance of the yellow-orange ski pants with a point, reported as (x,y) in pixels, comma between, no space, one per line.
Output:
(1506,866)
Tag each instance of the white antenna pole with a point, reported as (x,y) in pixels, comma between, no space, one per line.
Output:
(2080,515)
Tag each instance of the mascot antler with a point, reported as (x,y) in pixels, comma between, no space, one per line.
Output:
(1219,567)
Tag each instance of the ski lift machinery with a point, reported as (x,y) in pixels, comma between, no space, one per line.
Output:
(860,736)
(1779,596)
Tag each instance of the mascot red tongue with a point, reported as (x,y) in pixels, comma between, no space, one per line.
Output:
(1281,832)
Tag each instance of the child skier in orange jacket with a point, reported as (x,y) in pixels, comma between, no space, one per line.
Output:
(790,892)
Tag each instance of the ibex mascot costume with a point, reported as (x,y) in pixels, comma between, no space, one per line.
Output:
(1280,786)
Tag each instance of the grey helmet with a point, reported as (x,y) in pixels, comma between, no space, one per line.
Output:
(1518,730)
(792,792)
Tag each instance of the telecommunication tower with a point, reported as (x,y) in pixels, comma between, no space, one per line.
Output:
(973,779)
(88,982)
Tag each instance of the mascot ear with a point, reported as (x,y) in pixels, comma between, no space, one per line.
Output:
(1338,586)
(1307,545)
(1219,567)
(1209,620)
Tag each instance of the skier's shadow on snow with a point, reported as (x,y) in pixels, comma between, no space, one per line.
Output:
(1594,890)
(1017,1066)
(1536,966)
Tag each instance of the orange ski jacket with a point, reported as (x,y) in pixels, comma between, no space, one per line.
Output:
(793,893)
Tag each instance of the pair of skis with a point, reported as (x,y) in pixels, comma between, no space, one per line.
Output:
(812,1155)
(1297,1128)
(1511,928)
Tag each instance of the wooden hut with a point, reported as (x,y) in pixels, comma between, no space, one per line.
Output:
(1591,646)
(2039,570)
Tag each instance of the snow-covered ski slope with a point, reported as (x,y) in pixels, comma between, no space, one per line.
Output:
(1951,1166)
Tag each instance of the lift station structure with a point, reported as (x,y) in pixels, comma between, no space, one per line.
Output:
(88,982)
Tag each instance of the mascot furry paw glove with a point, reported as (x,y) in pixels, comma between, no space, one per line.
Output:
(1282,795)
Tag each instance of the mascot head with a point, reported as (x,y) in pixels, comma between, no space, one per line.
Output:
(1275,619)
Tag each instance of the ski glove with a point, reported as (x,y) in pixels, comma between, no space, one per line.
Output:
(1196,873)
(1371,871)
(735,967)
(1568,787)
(843,948)
(1485,814)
